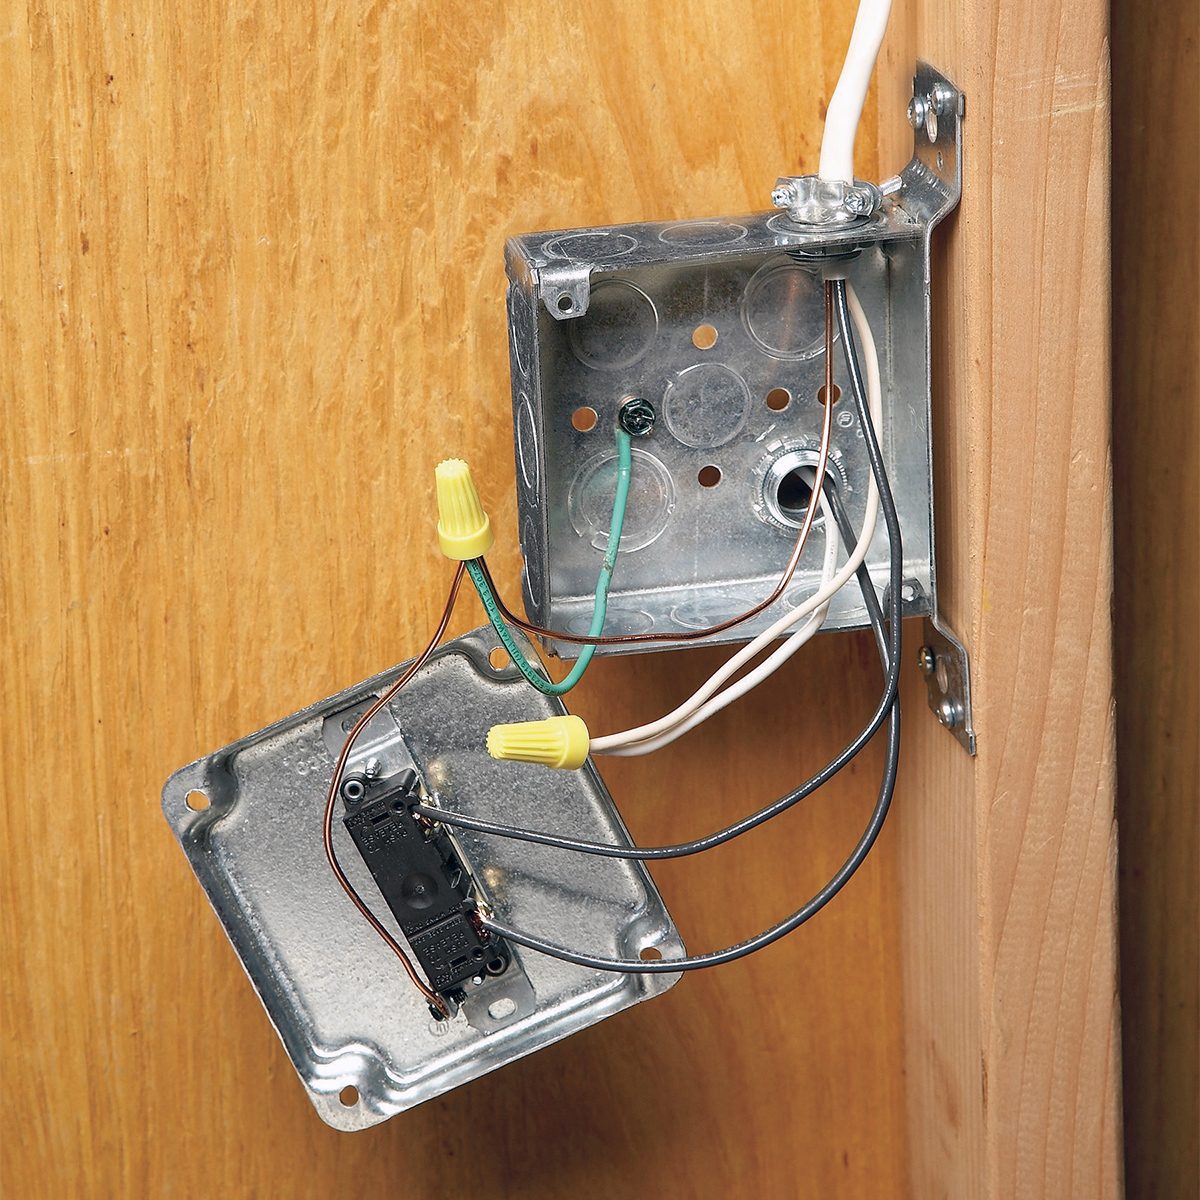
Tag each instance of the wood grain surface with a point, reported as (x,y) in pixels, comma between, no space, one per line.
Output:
(1007,865)
(252,291)
(1156,466)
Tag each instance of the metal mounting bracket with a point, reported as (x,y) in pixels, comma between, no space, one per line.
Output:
(947,670)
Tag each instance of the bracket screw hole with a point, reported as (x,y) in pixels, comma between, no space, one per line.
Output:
(500,1010)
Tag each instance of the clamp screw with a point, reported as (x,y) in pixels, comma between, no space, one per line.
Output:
(373,768)
(859,203)
(637,417)
(926,660)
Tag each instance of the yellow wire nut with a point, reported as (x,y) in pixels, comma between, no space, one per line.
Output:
(464,530)
(554,742)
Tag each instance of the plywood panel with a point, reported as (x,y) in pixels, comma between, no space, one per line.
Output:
(1156,465)
(252,291)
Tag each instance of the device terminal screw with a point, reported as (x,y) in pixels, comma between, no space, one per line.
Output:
(637,417)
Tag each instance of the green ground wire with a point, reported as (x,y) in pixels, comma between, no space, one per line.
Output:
(532,673)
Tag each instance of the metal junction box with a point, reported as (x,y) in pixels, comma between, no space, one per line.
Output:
(719,325)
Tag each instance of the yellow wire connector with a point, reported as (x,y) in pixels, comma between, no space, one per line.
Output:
(464,530)
(554,742)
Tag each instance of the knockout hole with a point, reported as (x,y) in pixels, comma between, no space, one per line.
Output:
(794,495)
(778,399)
(499,658)
(704,337)
(584,419)
(709,476)
(837,393)
(196,800)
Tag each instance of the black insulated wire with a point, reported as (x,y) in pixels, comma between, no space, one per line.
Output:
(887,786)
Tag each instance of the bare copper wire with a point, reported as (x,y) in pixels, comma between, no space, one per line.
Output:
(336,781)
(828,398)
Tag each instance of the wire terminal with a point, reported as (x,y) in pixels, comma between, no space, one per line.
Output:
(553,742)
(464,529)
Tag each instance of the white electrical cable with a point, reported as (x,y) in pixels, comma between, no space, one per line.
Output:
(645,738)
(845,109)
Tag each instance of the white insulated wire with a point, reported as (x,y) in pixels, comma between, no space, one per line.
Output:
(769,666)
(845,109)
(645,738)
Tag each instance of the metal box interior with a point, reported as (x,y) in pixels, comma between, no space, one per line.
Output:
(597,316)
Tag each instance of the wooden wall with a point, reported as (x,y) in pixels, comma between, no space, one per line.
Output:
(252,291)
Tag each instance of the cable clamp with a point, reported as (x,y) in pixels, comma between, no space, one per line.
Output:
(811,200)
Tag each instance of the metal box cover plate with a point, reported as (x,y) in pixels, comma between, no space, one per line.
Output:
(600,315)
(334,992)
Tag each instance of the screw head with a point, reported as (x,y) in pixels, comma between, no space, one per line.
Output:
(926,660)
(948,712)
(858,203)
(637,416)
(916,111)
(373,768)
(782,196)
(941,96)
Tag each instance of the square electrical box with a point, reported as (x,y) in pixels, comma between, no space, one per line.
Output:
(719,325)
(360,1036)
